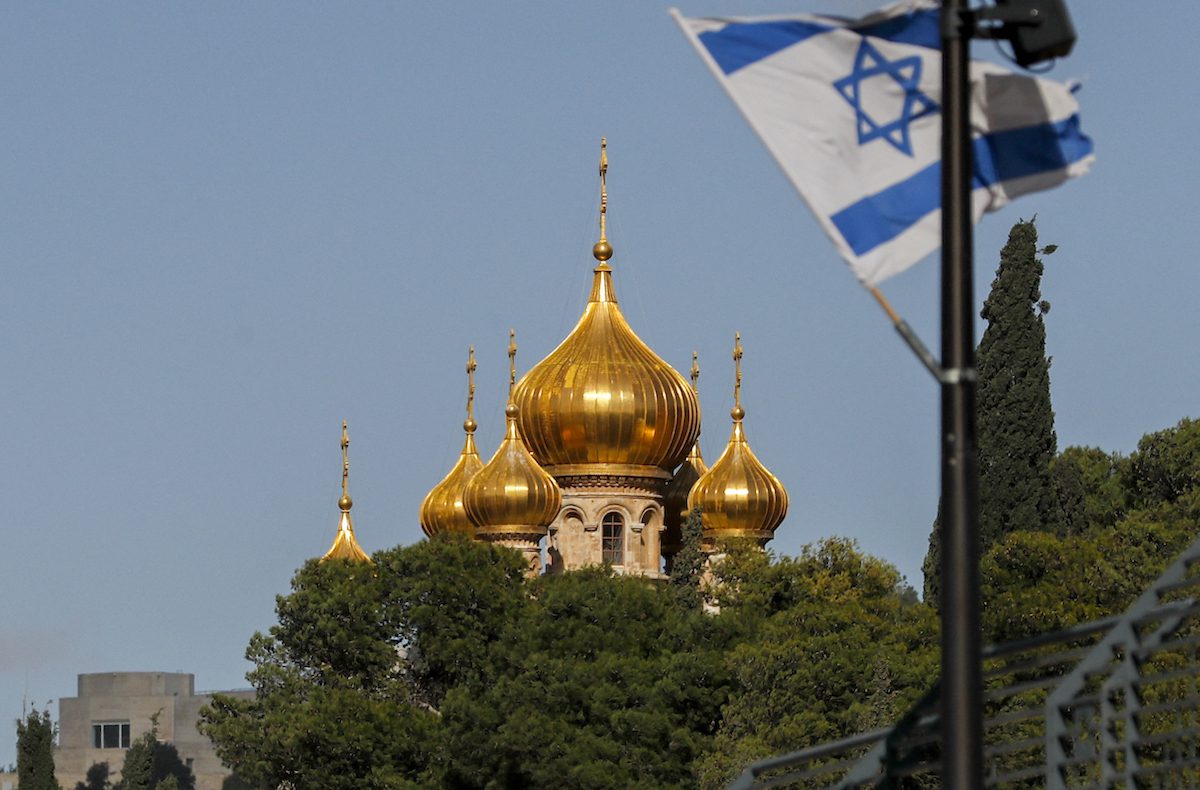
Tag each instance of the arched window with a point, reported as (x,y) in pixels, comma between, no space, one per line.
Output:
(612,541)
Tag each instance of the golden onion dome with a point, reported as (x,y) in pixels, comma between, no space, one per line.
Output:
(345,545)
(675,498)
(739,496)
(603,397)
(443,511)
(511,493)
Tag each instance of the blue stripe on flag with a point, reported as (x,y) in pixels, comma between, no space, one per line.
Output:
(737,45)
(999,156)
(919,28)
(1003,156)
(740,44)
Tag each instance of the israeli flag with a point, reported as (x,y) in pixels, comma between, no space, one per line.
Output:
(851,110)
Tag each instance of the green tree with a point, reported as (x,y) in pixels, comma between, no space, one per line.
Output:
(687,569)
(1125,520)
(331,709)
(348,683)
(137,772)
(837,644)
(151,764)
(95,779)
(35,752)
(1034,583)
(1015,421)
(1092,488)
(445,601)
(604,682)
(1166,464)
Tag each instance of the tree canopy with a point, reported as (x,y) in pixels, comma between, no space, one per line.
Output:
(1124,520)
(834,644)
(331,708)
(442,665)
(604,682)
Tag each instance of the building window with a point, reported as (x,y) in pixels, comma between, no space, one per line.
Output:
(110,735)
(612,542)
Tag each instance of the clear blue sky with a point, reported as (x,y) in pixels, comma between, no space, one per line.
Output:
(229,226)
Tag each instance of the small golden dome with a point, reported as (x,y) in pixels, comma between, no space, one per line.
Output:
(739,496)
(345,545)
(511,493)
(443,511)
(675,498)
(603,397)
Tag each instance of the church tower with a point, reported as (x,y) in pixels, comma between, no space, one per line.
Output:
(610,420)
(600,453)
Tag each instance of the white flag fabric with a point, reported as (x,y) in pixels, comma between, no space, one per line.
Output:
(851,110)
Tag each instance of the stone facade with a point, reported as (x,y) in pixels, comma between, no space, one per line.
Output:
(114,709)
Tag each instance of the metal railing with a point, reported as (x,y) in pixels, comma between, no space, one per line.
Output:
(1114,703)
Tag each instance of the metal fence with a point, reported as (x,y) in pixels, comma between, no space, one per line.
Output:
(1110,704)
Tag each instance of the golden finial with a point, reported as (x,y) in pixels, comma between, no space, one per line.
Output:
(345,545)
(469,426)
(738,412)
(603,250)
(345,503)
(512,362)
(695,372)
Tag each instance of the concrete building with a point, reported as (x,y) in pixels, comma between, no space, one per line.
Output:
(114,709)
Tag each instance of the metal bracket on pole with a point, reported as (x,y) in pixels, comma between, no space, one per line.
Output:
(943,375)
(988,22)
(999,21)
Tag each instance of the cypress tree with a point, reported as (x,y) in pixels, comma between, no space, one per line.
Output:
(35,752)
(1015,421)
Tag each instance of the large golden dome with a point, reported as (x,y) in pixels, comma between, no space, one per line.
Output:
(443,511)
(739,496)
(603,398)
(511,493)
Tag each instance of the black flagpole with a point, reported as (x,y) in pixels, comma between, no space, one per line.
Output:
(961,693)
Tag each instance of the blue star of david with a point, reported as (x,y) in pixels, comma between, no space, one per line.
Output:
(906,72)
